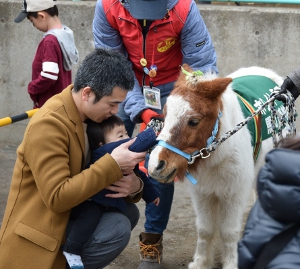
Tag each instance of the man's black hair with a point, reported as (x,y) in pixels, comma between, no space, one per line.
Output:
(102,71)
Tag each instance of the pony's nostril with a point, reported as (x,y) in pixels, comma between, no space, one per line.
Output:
(161,165)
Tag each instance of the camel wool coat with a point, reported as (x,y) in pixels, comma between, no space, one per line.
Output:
(48,180)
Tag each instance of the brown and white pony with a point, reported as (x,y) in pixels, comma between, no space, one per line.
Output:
(225,179)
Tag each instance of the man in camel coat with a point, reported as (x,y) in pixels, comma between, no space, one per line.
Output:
(49,178)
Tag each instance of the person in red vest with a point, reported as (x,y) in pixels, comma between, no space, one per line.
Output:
(157,37)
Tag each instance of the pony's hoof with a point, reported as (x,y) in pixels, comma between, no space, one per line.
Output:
(196,265)
(230,266)
(193,265)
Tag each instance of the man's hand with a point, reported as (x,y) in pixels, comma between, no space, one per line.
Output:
(124,186)
(289,85)
(126,158)
(148,114)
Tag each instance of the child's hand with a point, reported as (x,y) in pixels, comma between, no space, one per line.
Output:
(156,201)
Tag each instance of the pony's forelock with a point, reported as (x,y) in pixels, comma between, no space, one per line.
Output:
(195,79)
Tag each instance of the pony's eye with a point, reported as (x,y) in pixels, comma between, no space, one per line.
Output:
(193,122)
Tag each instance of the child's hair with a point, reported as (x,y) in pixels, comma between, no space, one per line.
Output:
(291,142)
(52,11)
(96,131)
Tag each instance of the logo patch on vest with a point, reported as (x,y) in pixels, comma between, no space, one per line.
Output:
(200,44)
(166,44)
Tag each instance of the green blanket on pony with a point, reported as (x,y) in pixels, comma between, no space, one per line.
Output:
(253,91)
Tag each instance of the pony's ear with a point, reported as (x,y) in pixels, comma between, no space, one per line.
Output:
(214,88)
(187,68)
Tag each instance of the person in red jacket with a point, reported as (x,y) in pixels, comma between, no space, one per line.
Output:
(52,63)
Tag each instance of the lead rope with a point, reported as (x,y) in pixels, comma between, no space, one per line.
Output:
(285,120)
(156,125)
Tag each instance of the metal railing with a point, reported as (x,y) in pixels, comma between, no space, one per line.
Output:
(23,116)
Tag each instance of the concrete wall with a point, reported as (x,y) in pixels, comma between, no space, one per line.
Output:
(242,36)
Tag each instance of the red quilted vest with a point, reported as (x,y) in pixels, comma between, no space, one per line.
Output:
(162,44)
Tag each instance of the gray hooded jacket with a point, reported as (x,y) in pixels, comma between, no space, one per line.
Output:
(66,41)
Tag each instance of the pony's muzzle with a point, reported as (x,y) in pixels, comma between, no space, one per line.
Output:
(157,173)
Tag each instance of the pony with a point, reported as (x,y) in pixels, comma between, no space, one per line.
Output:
(198,110)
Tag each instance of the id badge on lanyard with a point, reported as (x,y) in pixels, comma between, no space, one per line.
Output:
(152,97)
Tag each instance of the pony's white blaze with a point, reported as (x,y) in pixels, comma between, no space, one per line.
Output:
(153,161)
(174,114)
(178,109)
(225,179)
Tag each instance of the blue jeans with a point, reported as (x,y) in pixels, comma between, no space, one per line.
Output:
(110,237)
(83,221)
(157,217)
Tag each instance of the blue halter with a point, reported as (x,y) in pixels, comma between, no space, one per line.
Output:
(191,157)
(214,131)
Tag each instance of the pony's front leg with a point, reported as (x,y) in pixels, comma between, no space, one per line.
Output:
(230,218)
(204,254)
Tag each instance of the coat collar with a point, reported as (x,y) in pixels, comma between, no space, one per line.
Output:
(73,114)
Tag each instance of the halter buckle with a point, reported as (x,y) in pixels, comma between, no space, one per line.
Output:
(192,159)
(203,155)
(199,154)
